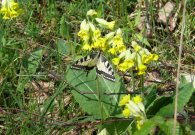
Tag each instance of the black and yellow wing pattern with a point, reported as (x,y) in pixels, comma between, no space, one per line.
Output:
(98,61)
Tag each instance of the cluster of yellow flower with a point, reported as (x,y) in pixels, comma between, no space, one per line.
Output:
(93,39)
(134,108)
(113,43)
(10,9)
(139,57)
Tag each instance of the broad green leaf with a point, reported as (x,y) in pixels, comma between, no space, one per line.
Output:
(117,128)
(185,93)
(63,47)
(30,66)
(157,104)
(150,97)
(149,125)
(89,91)
(189,78)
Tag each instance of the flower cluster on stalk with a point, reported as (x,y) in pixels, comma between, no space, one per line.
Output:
(136,56)
(112,42)
(133,107)
(10,9)
(91,34)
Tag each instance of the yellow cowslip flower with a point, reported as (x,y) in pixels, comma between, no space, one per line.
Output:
(121,48)
(126,112)
(139,123)
(96,34)
(145,58)
(104,23)
(155,57)
(110,25)
(118,43)
(140,65)
(91,12)
(134,108)
(124,100)
(141,69)
(123,67)
(112,51)
(10,9)
(100,43)
(118,40)
(84,31)
(84,35)
(135,46)
(137,99)
(116,61)
(140,72)
(87,47)
(127,64)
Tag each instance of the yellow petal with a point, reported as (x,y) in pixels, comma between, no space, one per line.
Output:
(116,61)
(126,112)
(87,47)
(137,99)
(135,46)
(124,100)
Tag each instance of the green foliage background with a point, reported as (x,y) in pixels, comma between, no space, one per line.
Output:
(39,46)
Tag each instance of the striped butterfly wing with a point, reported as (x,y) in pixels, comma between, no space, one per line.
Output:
(87,63)
(104,68)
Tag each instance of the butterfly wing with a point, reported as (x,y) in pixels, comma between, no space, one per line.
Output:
(104,68)
(86,63)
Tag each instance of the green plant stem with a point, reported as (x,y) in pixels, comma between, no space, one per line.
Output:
(99,98)
(133,79)
(142,86)
(178,68)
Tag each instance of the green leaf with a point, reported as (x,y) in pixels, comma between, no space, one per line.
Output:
(140,38)
(184,95)
(157,104)
(30,66)
(167,127)
(189,78)
(89,91)
(64,27)
(193,100)
(117,128)
(63,47)
(149,125)
(150,97)
(137,19)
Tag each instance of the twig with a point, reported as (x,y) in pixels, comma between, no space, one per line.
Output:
(178,69)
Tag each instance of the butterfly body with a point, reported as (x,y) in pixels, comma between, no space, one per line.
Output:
(98,61)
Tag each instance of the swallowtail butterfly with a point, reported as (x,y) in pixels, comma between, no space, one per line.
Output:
(97,60)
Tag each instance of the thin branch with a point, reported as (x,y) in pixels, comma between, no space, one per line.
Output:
(178,69)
